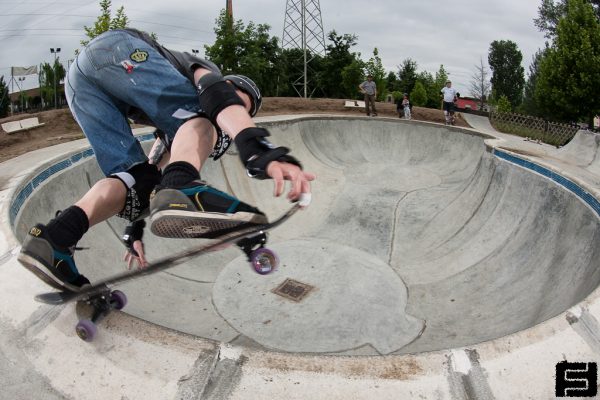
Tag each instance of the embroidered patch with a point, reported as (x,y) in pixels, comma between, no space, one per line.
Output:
(139,55)
(128,66)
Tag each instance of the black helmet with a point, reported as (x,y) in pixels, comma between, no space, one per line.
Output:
(247,86)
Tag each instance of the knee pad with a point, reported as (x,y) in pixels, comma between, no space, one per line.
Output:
(139,180)
(214,95)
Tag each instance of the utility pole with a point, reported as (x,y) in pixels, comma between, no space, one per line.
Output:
(303,29)
(55,52)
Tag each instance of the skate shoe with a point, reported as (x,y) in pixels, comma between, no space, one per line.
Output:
(199,211)
(55,266)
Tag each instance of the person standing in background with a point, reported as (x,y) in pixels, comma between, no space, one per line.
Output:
(369,89)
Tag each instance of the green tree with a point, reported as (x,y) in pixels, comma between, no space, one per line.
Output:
(418,96)
(375,68)
(47,76)
(392,82)
(352,76)
(503,105)
(247,50)
(105,21)
(530,105)
(339,56)
(407,72)
(4,98)
(433,92)
(550,13)
(569,75)
(508,76)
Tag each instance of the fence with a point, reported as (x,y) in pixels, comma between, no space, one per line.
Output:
(535,128)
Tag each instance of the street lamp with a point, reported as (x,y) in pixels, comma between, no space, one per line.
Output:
(21,79)
(195,51)
(55,52)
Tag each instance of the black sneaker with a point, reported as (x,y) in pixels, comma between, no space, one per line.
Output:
(199,211)
(53,265)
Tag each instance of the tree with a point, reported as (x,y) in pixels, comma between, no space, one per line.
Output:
(503,105)
(352,76)
(392,82)
(550,13)
(569,75)
(480,84)
(47,75)
(4,98)
(418,96)
(248,50)
(530,105)
(338,57)
(433,92)
(407,72)
(105,21)
(508,76)
(375,68)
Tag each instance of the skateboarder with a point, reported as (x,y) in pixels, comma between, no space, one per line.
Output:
(449,94)
(125,73)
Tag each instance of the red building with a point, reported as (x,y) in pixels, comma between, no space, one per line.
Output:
(468,103)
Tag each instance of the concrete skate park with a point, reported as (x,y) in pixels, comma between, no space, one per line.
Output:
(434,262)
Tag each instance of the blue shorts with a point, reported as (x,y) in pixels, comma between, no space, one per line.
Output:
(115,72)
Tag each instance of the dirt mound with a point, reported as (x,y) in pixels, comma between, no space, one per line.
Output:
(59,125)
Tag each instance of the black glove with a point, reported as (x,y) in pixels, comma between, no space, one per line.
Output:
(134,231)
(256,152)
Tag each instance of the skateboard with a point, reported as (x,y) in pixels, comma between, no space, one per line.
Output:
(102,299)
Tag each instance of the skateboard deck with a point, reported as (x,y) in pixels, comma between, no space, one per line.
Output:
(246,238)
(102,299)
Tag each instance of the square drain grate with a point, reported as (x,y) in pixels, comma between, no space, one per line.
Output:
(293,290)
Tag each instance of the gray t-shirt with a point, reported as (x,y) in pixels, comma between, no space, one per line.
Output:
(369,87)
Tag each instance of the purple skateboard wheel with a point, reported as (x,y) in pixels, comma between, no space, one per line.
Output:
(264,260)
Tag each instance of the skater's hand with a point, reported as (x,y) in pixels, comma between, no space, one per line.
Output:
(300,180)
(139,257)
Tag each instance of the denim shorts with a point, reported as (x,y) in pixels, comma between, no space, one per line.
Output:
(115,72)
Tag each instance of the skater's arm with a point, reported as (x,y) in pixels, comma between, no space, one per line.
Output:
(233,120)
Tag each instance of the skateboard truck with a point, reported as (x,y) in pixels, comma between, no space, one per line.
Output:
(102,304)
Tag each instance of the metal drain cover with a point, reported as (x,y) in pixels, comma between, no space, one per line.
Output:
(293,290)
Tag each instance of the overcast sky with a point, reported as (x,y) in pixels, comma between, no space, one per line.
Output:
(454,33)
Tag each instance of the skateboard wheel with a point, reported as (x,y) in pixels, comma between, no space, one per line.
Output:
(264,260)
(86,330)
(119,299)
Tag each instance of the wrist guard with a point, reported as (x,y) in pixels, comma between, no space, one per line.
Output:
(256,152)
(215,95)
(134,231)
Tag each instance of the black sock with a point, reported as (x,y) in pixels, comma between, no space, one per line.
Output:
(179,174)
(68,227)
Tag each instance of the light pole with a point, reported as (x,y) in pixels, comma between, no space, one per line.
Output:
(21,79)
(55,52)
(195,51)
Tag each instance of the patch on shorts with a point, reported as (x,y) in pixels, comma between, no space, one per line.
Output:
(139,55)
(128,66)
